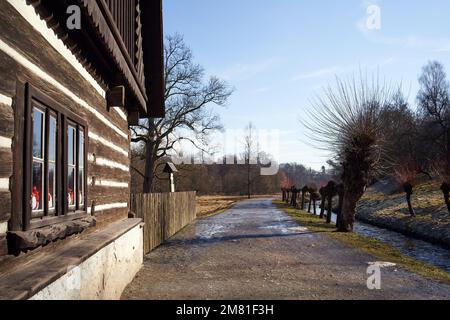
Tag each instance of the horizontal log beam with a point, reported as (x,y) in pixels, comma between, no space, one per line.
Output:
(21,241)
(115,98)
(133,118)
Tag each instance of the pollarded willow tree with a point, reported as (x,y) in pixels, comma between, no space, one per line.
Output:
(346,121)
(189,96)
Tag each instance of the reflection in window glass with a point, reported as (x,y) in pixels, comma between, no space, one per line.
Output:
(81,186)
(52,140)
(37,183)
(71,167)
(81,147)
(38,126)
(51,186)
(71,145)
(37,180)
(71,186)
(52,164)
(81,169)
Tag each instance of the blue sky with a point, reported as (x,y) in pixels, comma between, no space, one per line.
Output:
(278,54)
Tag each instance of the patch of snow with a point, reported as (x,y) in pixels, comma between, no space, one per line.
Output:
(382,264)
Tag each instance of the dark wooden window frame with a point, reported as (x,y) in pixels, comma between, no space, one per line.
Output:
(64,117)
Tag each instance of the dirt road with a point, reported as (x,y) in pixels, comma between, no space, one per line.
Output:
(255,251)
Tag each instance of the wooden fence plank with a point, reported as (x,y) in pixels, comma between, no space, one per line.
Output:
(164,214)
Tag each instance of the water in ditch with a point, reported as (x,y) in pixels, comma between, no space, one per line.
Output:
(414,248)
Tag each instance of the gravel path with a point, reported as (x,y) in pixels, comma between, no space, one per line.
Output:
(255,251)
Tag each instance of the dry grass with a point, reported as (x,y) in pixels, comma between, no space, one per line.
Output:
(211,205)
(427,200)
(379,249)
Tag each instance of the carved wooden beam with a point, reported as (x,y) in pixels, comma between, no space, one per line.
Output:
(115,98)
(153,47)
(133,118)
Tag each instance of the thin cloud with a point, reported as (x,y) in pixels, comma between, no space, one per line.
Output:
(411,42)
(246,71)
(336,70)
(324,72)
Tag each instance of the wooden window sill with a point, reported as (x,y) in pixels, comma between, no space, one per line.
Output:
(29,276)
(24,241)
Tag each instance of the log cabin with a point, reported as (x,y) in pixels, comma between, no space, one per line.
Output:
(74,75)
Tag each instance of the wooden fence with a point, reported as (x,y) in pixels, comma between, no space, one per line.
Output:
(164,215)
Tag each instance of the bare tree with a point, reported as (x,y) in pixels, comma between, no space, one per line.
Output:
(434,102)
(250,155)
(346,120)
(188,97)
(445,188)
(401,134)
(440,170)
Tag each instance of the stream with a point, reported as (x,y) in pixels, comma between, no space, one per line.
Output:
(414,248)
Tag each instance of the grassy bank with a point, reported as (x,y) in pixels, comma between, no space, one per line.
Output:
(378,249)
(386,207)
(427,200)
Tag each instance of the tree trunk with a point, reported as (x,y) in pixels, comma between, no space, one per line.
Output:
(323,197)
(314,206)
(303,200)
(309,203)
(149,168)
(355,178)
(448,147)
(322,207)
(340,191)
(445,188)
(447,201)
(330,206)
(410,207)
(294,198)
(348,212)
(408,188)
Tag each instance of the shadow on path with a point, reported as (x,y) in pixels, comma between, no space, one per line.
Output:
(205,240)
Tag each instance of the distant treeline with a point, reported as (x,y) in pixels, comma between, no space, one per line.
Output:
(214,179)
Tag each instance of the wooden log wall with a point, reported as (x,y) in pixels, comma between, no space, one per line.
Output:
(164,214)
(29,55)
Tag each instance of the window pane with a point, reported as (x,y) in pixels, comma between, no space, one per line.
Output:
(81,149)
(71,145)
(51,186)
(36,191)
(81,186)
(52,140)
(71,186)
(38,124)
